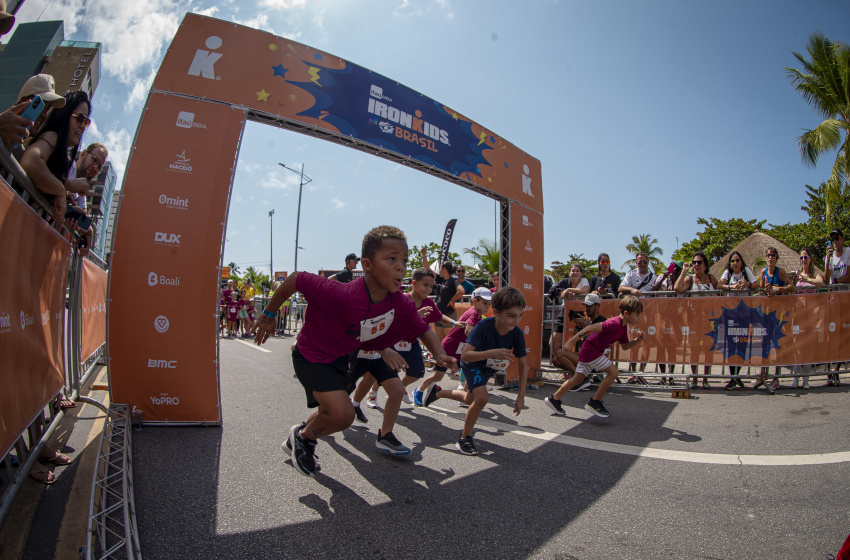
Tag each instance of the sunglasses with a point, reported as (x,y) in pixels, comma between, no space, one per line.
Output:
(697,261)
(735,260)
(82,119)
(604,261)
(804,258)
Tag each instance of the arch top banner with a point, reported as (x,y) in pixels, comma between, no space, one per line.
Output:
(223,61)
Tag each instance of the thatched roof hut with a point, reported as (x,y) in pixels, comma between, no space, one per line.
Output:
(753,249)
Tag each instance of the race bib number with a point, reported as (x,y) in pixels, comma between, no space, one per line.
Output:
(498,365)
(460,347)
(403,346)
(376,326)
(368,354)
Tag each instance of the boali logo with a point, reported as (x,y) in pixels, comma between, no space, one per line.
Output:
(526,181)
(26,320)
(164,399)
(528,267)
(162,364)
(156,279)
(204,62)
(528,246)
(832,327)
(186,119)
(161,238)
(526,221)
(5,323)
(176,203)
(650,330)
(161,324)
(181,164)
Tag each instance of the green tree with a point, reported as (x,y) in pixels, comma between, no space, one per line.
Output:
(718,237)
(485,255)
(256,277)
(824,83)
(645,243)
(414,256)
(562,270)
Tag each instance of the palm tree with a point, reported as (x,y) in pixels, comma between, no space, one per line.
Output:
(486,255)
(645,243)
(824,83)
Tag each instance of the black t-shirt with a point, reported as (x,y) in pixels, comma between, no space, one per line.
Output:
(345,276)
(447,291)
(611,282)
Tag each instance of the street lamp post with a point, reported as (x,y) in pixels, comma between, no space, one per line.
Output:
(304,180)
(271,251)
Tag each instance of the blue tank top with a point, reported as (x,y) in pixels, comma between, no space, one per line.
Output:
(774,280)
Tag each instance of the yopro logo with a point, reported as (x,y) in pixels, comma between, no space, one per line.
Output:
(162,364)
(161,324)
(204,62)
(165,399)
(186,119)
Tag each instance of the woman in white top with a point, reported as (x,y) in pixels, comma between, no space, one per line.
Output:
(701,281)
(578,283)
(737,275)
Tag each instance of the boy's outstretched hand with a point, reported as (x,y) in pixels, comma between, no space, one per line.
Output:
(519,404)
(640,336)
(446,361)
(264,329)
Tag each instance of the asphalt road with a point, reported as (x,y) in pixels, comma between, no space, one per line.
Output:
(721,475)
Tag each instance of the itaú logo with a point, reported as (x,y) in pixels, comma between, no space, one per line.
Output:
(162,364)
(204,62)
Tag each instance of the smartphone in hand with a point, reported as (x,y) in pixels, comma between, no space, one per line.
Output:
(32,111)
(83,221)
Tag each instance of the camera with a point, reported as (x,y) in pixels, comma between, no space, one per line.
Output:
(576,314)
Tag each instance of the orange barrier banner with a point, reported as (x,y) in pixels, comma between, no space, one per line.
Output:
(94,308)
(32,315)
(526,275)
(734,330)
(163,286)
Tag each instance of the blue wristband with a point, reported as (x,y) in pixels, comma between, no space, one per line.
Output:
(269,314)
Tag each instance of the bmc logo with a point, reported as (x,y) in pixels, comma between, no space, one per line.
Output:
(166,400)
(187,120)
(168,238)
(162,364)
(204,62)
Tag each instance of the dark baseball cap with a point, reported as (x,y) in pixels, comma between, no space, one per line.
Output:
(352,257)
(835,234)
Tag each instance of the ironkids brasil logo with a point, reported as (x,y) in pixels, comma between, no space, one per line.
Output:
(745,331)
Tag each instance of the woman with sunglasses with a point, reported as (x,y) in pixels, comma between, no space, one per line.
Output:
(808,283)
(701,281)
(737,276)
(47,160)
(605,283)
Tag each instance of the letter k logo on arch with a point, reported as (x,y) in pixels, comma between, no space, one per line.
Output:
(204,62)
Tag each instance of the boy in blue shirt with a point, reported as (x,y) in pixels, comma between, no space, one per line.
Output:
(490,347)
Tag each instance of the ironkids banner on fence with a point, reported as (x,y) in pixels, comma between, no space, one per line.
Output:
(163,290)
(32,315)
(94,308)
(755,331)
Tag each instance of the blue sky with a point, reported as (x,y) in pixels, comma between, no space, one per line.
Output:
(644,115)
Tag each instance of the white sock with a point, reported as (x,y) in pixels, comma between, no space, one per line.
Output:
(355,403)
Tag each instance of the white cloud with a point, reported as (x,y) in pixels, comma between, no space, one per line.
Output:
(337,203)
(283,4)
(274,180)
(408,9)
(238,199)
(210,12)
(117,141)
(261,21)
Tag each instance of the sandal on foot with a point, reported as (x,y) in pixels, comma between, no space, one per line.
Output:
(57,459)
(44,476)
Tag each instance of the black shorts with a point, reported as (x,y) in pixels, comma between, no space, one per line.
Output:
(320,378)
(379,369)
(558,324)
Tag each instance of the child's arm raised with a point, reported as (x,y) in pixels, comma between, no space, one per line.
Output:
(265,326)
(635,341)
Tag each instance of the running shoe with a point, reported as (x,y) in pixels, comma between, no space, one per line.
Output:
(795,382)
(465,446)
(597,408)
(371,399)
(555,406)
(581,386)
(359,416)
(731,385)
(806,383)
(286,444)
(417,397)
(431,394)
(389,443)
(407,398)
(303,451)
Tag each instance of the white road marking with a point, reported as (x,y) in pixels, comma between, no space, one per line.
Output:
(665,454)
(254,346)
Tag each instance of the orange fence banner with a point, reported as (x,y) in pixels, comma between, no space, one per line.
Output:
(164,275)
(526,275)
(738,331)
(94,309)
(32,315)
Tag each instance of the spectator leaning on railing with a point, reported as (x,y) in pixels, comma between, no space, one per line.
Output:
(701,281)
(46,160)
(837,260)
(15,128)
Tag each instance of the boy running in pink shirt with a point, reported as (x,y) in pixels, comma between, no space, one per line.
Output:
(368,313)
(592,355)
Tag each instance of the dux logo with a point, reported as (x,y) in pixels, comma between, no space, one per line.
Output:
(161,324)
(651,330)
(528,286)
(204,62)
(167,238)
(526,182)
